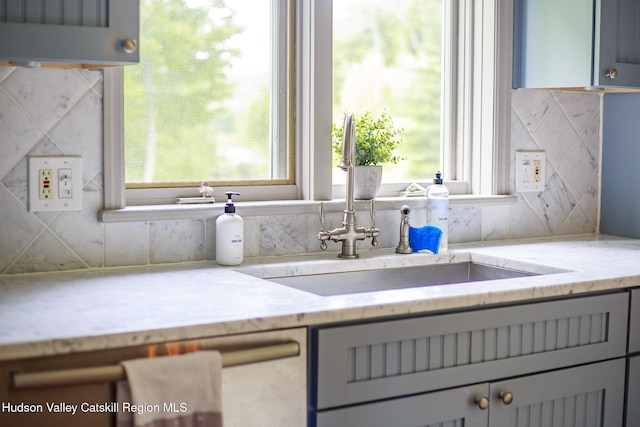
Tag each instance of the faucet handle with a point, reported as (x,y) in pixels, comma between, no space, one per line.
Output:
(372,213)
(322,234)
(374,231)
(321,215)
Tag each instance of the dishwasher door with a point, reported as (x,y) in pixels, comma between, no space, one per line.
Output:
(256,391)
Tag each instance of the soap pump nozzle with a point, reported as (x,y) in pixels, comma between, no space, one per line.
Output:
(229,207)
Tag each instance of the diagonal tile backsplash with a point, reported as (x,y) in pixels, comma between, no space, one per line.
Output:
(56,112)
(49,112)
(566,125)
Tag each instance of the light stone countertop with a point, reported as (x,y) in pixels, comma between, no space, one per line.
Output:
(58,313)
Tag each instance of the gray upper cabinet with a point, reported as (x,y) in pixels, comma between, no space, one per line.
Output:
(576,43)
(100,32)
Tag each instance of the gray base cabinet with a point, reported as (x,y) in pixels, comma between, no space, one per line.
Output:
(430,370)
(633,392)
(634,323)
(633,373)
(584,396)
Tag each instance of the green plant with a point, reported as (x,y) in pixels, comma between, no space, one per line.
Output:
(376,139)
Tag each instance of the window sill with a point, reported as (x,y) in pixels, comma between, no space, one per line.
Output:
(285,207)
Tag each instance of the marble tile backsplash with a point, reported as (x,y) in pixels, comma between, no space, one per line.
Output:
(56,112)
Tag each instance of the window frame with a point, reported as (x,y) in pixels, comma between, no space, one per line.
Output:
(476,162)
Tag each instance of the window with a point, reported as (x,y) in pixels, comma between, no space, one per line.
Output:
(471,117)
(387,56)
(210,98)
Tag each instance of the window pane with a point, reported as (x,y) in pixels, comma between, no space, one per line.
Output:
(387,56)
(200,106)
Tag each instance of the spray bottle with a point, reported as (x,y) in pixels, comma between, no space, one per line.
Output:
(438,209)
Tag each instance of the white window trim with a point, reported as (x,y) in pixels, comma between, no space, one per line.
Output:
(480,107)
(479,169)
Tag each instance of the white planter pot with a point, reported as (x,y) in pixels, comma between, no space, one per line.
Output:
(367,182)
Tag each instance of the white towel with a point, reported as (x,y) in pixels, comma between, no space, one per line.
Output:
(177,391)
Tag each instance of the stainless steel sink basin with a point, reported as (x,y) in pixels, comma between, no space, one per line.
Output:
(353,282)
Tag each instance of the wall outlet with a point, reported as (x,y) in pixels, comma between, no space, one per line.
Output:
(55,184)
(45,183)
(530,171)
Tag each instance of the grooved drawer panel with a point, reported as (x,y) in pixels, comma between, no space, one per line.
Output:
(387,359)
(421,354)
(84,13)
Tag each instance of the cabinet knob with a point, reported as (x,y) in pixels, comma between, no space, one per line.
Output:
(482,402)
(129,45)
(612,73)
(506,397)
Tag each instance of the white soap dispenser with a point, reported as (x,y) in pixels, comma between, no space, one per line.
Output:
(229,234)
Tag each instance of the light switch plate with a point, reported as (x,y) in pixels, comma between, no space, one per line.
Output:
(530,171)
(55,183)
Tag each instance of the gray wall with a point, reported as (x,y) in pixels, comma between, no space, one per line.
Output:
(54,112)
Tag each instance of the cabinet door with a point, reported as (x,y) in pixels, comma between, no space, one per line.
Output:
(552,43)
(634,322)
(585,396)
(633,393)
(88,32)
(620,210)
(619,43)
(449,408)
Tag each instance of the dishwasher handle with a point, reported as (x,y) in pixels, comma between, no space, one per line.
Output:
(98,374)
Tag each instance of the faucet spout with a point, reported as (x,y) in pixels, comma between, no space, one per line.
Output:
(348,156)
(349,233)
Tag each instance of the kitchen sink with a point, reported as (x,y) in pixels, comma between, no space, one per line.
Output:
(372,280)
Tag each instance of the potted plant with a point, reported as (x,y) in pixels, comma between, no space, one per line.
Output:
(376,143)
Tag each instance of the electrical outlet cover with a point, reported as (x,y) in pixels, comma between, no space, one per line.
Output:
(530,171)
(55,202)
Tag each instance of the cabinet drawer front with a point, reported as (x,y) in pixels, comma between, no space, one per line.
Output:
(634,323)
(379,360)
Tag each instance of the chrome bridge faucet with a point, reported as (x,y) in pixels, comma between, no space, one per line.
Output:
(349,233)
